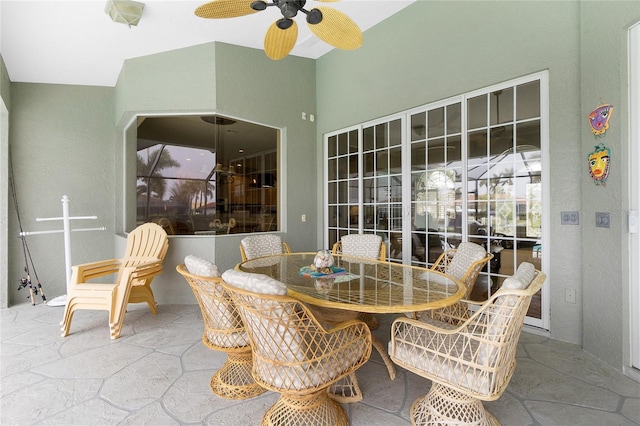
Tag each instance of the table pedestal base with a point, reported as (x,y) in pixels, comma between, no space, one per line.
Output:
(313,409)
(234,380)
(446,406)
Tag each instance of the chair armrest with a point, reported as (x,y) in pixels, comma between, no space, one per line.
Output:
(356,328)
(143,271)
(344,347)
(443,260)
(337,248)
(286,248)
(88,271)
(452,314)
(339,337)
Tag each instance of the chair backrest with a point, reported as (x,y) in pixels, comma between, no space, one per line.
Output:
(291,350)
(504,314)
(223,327)
(464,263)
(145,243)
(465,255)
(362,245)
(474,355)
(275,324)
(261,245)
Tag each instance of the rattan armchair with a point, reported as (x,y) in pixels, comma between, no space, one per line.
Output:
(470,362)
(464,263)
(293,354)
(262,245)
(368,246)
(223,331)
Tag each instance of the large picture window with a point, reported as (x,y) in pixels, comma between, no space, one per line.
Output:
(466,169)
(207,175)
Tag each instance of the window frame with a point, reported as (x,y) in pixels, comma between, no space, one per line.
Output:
(256,222)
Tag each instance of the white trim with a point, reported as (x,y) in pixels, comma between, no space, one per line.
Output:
(4,202)
(634,196)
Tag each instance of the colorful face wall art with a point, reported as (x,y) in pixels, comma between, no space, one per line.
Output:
(599,119)
(599,164)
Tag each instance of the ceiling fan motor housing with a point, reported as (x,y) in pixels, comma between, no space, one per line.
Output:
(290,8)
(338,29)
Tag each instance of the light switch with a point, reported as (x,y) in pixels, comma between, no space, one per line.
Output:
(603,220)
(569,218)
(633,221)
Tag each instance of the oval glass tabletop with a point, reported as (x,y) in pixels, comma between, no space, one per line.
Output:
(359,284)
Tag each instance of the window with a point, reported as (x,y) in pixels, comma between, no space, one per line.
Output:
(466,169)
(207,175)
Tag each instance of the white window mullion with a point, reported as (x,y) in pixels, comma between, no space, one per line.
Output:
(360,182)
(407,199)
(465,163)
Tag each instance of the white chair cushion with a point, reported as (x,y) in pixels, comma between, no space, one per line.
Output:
(466,253)
(500,312)
(310,374)
(525,273)
(220,314)
(281,341)
(410,350)
(200,267)
(257,283)
(261,245)
(361,245)
(234,340)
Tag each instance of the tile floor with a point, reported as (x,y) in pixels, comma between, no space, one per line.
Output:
(158,372)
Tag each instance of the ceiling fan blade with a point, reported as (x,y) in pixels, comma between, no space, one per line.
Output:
(225,9)
(337,29)
(278,43)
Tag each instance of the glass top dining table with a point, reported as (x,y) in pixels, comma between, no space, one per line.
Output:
(365,285)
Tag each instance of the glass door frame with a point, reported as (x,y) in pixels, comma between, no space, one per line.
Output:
(407,201)
(634,195)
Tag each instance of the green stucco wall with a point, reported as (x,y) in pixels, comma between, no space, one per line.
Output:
(61,144)
(426,59)
(221,78)
(605,253)
(5,84)
(5,101)
(433,50)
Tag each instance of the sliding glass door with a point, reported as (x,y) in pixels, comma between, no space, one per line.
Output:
(470,168)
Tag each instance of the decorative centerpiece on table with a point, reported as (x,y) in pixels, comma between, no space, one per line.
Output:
(322,262)
(323,271)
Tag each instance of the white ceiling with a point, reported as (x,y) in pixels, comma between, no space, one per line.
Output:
(75,42)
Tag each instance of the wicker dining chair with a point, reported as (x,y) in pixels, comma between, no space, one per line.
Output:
(470,362)
(292,353)
(223,331)
(368,246)
(361,245)
(262,245)
(464,263)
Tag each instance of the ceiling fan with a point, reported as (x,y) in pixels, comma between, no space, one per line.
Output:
(328,24)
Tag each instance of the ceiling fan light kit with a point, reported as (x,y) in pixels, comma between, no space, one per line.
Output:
(328,24)
(124,11)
